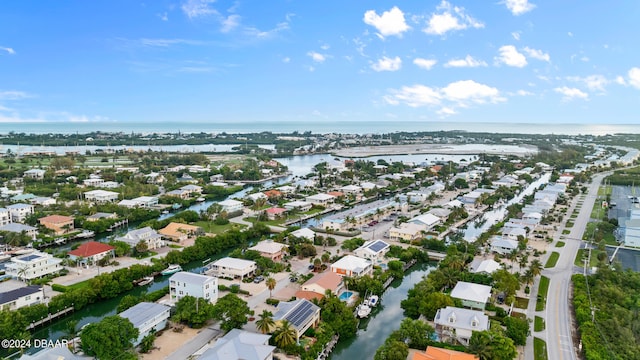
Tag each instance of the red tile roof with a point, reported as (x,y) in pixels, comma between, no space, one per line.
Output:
(91,248)
(55,219)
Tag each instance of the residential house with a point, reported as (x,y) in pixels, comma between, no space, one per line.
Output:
(352,266)
(503,245)
(273,194)
(147,317)
(140,202)
(275,213)
(21,297)
(57,353)
(321,199)
(185,283)
(407,232)
(91,252)
(146,234)
(270,249)
(179,193)
(301,206)
(180,232)
(319,284)
(428,220)
(231,206)
(5,216)
(32,266)
(373,250)
(20,212)
(301,313)
(304,233)
(351,189)
(472,295)
(193,190)
(34,174)
(459,324)
(60,224)
(435,353)
(20,228)
(100,216)
(257,196)
(240,345)
(43,201)
(286,189)
(101,196)
(23,198)
(233,268)
(480,266)
(94,181)
(512,233)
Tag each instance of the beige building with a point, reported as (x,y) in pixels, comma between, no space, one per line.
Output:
(58,223)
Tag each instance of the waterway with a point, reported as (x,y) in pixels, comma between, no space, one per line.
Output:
(483,223)
(384,319)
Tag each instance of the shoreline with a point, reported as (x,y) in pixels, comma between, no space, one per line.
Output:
(410,149)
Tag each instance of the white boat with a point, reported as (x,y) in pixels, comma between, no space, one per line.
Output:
(200,199)
(165,212)
(145,281)
(85,234)
(372,301)
(172,269)
(363,311)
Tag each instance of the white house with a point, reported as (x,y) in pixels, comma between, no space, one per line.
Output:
(473,295)
(302,314)
(304,233)
(487,266)
(20,212)
(32,266)
(185,283)
(632,232)
(146,234)
(101,196)
(351,189)
(43,201)
(233,268)
(460,323)
(512,233)
(270,249)
(257,196)
(302,206)
(93,181)
(240,345)
(5,216)
(34,173)
(373,250)
(21,297)
(141,201)
(321,199)
(19,228)
(428,220)
(147,317)
(91,252)
(407,232)
(231,206)
(503,245)
(352,266)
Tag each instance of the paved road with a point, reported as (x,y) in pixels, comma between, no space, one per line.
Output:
(558,316)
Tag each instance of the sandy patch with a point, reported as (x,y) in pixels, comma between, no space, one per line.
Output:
(169,341)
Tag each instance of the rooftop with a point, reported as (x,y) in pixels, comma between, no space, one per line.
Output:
(142,312)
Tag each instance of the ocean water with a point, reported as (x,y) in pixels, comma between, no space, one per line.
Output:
(353,127)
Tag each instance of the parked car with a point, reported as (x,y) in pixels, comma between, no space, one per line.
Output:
(258,279)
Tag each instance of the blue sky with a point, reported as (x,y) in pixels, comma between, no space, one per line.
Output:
(529,61)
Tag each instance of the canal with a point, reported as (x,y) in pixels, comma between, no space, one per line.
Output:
(384,319)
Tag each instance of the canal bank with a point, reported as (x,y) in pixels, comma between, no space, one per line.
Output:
(384,319)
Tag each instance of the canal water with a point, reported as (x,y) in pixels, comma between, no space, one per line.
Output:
(483,223)
(383,320)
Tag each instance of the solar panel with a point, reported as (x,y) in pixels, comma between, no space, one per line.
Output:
(301,313)
(30,257)
(377,246)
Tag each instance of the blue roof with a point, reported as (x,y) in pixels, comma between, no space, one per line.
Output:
(378,245)
(30,257)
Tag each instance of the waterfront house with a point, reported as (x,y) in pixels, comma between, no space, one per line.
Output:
(20,212)
(20,228)
(270,249)
(472,295)
(305,233)
(273,194)
(275,213)
(257,196)
(91,252)
(301,313)
(231,206)
(428,220)
(373,250)
(34,174)
(435,353)
(100,216)
(179,193)
(301,206)
(319,284)
(352,266)
(140,202)
(513,233)
(146,234)
(179,232)
(503,245)
(60,224)
(480,266)
(21,297)
(459,324)
(193,190)
(233,268)
(321,199)
(101,196)
(5,216)
(407,232)
(286,189)
(185,283)
(147,318)
(240,345)
(33,266)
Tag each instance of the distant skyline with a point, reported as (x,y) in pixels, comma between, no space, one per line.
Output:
(512,61)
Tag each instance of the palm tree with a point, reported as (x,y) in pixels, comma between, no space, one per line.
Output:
(536,267)
(325,257)
(265,323)
(285,334)
(527,277)
(271,284)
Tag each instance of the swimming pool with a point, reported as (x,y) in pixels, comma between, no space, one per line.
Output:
(345,296)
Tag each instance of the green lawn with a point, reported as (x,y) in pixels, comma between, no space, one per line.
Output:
(569,224)
(539,349)
(278,222)
(538,324)
(522,303)
(210,227)
(80,285)
(566,232)
(553,260)
(543,289)
(560,244)
(583,253)
(605,190)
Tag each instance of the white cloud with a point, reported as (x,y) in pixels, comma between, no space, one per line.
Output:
(168,42)
(14,95)
(592,82)
(9,50)
(389,23)
(230,23)
(317,57)
(197,8)
(516,35)
(163,16)
(571,93)
(325,47)
(519,7)
(620,80)
(634,77)
(265,34)
(459,94)
(511,57)
(286,60)
(450,18)
(523,93)
(387,64)
(425,63)
(468,61)
(537,54)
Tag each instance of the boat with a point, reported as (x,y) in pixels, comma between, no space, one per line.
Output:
(176,206)
(85,234)
(372,301)
(363,311)
(165,212)
(144,281)
(172,269)
(60,241)
(200,199)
